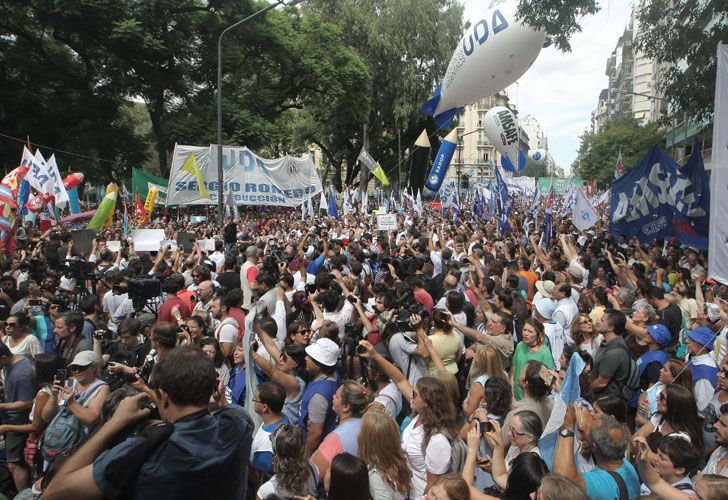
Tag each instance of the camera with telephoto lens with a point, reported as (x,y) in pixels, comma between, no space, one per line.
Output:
(407,308)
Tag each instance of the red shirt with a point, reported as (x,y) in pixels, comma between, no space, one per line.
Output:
(165,312)
(239,316)
(425,299)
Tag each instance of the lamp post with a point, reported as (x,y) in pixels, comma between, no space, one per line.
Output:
(220,201)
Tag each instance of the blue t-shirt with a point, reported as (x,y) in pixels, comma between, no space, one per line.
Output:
(600,485)
(19,386)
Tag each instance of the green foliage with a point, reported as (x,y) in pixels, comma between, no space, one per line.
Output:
(560,18)
(683,35)
(533,168)
(597,155)
(58,97)
(406,46)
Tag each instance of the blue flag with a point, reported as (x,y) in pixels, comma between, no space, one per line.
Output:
(333,211)
(505,203)
(658,199)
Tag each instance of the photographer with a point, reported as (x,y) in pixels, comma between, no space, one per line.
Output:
(189,463)
(408,350)
(134,351)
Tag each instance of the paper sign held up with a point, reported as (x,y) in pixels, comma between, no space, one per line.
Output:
(147,240)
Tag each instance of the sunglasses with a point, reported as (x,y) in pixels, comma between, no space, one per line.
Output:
(78,368)
(10,325)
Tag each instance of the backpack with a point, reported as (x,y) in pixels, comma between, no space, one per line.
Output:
(65,433)
(632,383)
(458,454)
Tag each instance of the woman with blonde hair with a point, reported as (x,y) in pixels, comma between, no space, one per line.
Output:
(486,365)
(389,475)
(350,402)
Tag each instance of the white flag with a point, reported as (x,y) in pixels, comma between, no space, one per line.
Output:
(323,205)
(419,203)
(37,176)
(364,203)
(59,191)
(584,214)
(718,235)
(309,206)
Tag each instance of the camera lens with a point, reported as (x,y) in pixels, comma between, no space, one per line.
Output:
(360,349)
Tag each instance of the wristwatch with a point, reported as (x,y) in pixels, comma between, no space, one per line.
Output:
(566,433)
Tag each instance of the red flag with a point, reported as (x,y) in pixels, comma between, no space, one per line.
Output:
(550,200)
(619,168)
(139,211)
(591,188)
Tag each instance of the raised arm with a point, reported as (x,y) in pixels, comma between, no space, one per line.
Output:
(389,369)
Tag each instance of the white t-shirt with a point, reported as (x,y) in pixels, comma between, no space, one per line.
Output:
(29,346)
(227,331)
(391,399)
(436,459)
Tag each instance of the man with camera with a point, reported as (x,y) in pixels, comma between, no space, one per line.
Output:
(194,454)
(132,349)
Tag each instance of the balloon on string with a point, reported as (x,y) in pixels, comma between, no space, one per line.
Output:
(493,53)
(501,127)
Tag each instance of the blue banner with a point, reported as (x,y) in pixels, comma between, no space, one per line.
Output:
(658,199)
(505,203)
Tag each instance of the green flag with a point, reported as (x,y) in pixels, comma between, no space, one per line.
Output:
(142,181)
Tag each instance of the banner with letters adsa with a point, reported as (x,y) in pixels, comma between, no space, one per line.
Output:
(659,199)
(287,181)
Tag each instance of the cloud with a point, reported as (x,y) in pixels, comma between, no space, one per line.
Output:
(562,89)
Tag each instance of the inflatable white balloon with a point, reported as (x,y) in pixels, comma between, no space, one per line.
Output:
(493,53)
(501,127)
(538,155)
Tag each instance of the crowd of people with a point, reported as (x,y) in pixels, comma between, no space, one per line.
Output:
(324,359)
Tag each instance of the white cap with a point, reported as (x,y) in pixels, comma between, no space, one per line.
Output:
(85,358)
(325,351)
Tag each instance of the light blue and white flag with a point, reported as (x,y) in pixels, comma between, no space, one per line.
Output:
(585,216)
(570,392)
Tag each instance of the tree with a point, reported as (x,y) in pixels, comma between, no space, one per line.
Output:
(57,98)
(559,18)
(598,152)
(682,36)
(533,168)
(406,45)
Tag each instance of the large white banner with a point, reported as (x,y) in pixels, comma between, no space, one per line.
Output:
(252,180)
(718,236)
(523,186)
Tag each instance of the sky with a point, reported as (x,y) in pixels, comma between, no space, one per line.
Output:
(561,89)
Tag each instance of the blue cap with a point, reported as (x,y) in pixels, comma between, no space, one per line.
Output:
(703,336)
(545,307)
(660,333)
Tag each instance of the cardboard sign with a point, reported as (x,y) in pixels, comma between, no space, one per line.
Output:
(186,241)
(387,222)
(147,240)
(82,241)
